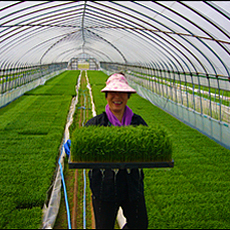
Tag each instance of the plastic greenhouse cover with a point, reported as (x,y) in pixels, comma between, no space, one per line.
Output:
(187,36)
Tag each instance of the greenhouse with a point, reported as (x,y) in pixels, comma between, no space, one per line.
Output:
(56,57)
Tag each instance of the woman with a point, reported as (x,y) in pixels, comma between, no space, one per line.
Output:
(114,188)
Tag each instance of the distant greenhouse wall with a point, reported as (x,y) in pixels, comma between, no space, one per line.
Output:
(15,81)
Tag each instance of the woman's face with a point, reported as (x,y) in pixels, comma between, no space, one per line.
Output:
(117,101)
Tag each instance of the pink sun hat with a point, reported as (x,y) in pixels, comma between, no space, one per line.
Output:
(118,83)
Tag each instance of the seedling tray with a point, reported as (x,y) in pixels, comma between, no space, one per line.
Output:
(120,165)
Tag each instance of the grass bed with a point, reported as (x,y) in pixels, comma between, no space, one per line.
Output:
(31,132)
(121,144)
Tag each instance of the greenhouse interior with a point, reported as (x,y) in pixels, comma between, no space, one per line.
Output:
(56,57)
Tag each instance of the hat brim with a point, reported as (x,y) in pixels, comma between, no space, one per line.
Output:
(125,89)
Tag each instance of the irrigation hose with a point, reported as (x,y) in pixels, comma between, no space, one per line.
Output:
(64,187)
(84,176)
(84,201)
(65,193)
(62,176)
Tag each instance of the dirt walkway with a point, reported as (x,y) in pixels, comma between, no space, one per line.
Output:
(74,178)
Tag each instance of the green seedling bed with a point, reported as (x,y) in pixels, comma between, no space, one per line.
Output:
(120,147)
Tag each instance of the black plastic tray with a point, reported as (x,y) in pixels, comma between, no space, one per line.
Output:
(120,165)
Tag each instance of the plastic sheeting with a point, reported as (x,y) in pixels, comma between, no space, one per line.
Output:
(218,131)
(11,95)
(184,36)
(120,218)
(180,94)
(215,129)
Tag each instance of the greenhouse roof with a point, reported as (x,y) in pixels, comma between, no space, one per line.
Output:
(188,36)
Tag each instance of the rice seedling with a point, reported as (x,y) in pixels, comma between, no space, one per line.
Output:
(121,144)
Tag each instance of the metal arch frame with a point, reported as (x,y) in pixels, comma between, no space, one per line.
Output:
(58,41)
(55,6)
(82,35)
(36,17)
(58,15)
(18,41)
(15,12)
(192,45)
(209,21)
(14,4)
(170,36)
(161,37)
(110,45)
(30,19)
(82,26)
(83,45)
(158,44)
(196,49)
(214,6)
(198,37)
(92,50)
(35,10)
(36,45)
(209,49)
(123,28)
(103,32)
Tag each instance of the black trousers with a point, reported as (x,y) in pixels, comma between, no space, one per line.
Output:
(106,212)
